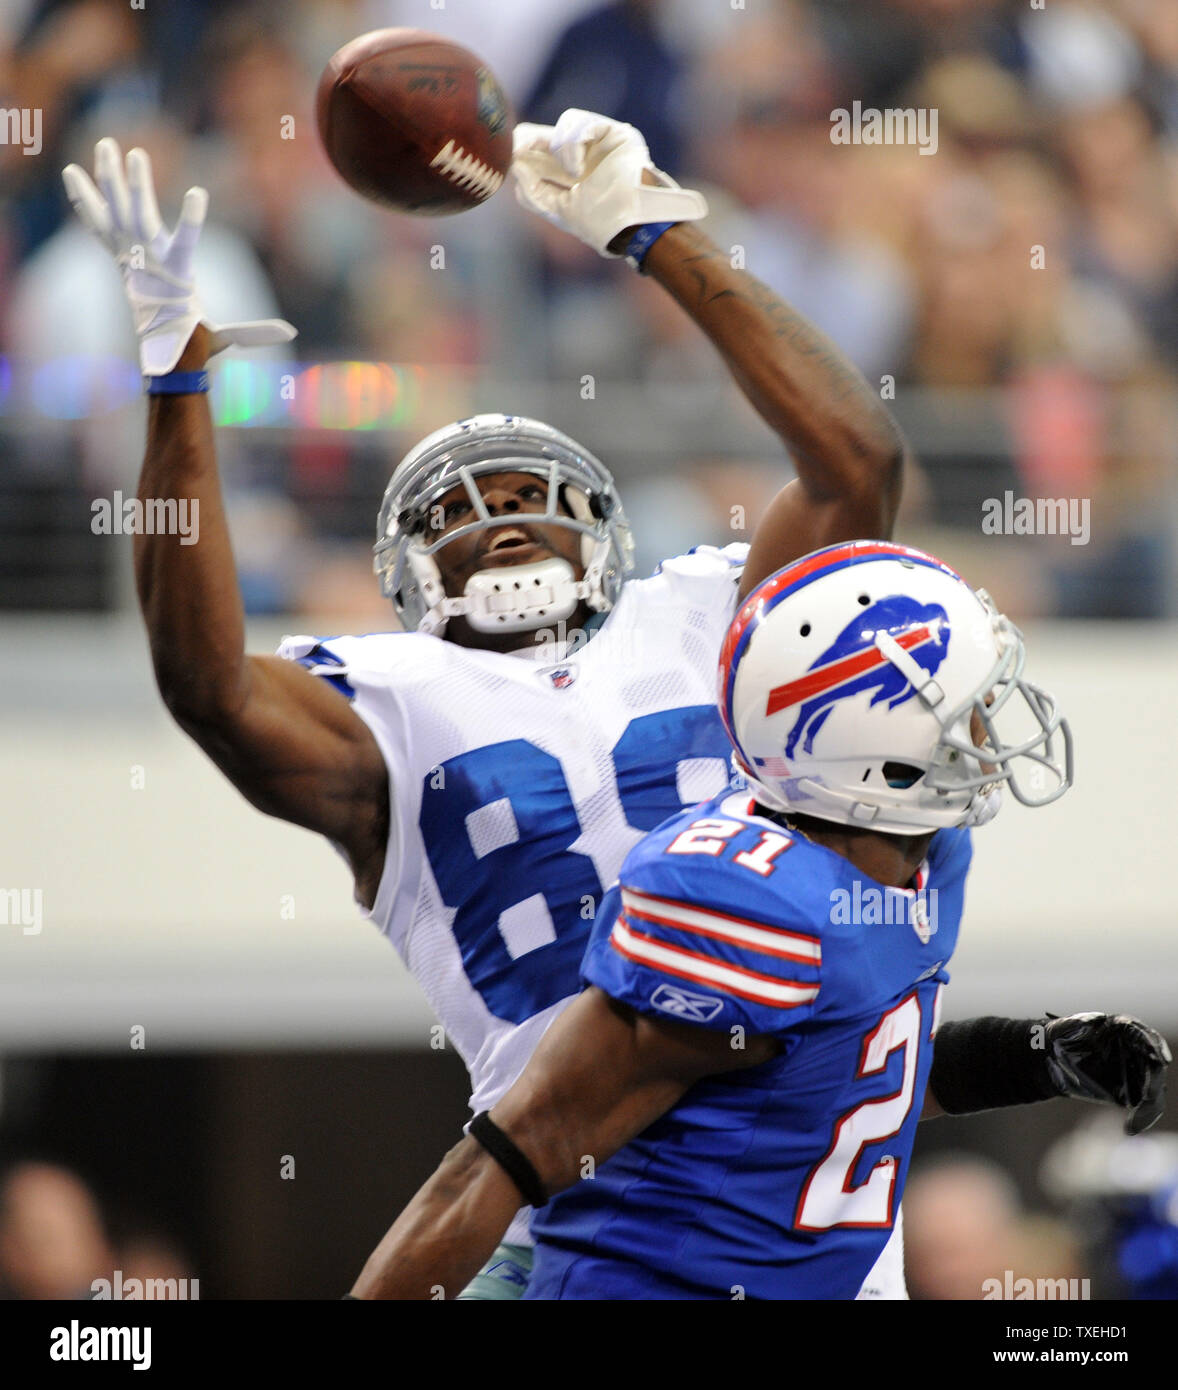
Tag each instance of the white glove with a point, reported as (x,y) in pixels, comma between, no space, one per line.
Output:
(584,174)
(156,263)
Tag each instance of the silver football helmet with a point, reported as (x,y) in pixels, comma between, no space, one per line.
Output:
(512,598)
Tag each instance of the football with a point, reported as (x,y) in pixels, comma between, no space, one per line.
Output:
(414,122)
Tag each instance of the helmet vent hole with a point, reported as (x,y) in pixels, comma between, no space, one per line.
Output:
(901,775)
(864,600)
(805,629)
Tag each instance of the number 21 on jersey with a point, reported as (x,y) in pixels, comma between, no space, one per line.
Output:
(712,835)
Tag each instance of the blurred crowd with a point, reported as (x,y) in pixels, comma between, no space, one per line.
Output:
(1104,1224)
(56,1243)
(1014,294)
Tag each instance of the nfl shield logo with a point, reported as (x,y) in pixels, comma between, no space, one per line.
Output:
(492,104)
(563,676)
(922,923)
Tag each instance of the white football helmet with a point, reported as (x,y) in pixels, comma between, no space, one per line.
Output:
(512,598)
(848,683)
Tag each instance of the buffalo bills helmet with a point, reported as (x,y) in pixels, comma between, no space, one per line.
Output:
(850,682)
(511,598)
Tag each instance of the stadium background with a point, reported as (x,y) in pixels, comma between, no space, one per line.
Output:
(276,1025)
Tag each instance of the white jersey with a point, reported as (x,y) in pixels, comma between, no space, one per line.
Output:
(519,783)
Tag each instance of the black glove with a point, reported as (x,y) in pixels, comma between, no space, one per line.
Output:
(1111,1058)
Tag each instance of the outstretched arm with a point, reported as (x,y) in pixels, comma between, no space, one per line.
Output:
(600,1076)
(846,447)
(592,176)
(987,1063)
(293,746)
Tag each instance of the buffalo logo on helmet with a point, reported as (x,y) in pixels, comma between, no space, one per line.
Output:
(853,664)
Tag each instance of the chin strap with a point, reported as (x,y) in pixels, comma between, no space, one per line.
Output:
(915,674)
(984,807)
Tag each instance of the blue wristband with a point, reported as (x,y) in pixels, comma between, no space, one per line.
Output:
(643,239)
(177,383)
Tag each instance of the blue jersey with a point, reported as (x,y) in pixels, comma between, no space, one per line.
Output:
(780,1180)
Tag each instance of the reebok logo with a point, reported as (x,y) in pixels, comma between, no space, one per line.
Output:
(678,1002)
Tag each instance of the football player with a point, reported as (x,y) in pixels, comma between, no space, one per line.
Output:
(484,775)
(728,1109)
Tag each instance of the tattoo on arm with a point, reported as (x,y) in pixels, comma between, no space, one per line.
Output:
(786,325)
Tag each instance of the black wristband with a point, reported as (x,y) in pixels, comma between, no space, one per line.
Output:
(514,1163)
(985,1063)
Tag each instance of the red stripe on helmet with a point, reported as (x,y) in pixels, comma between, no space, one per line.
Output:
(815,682)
